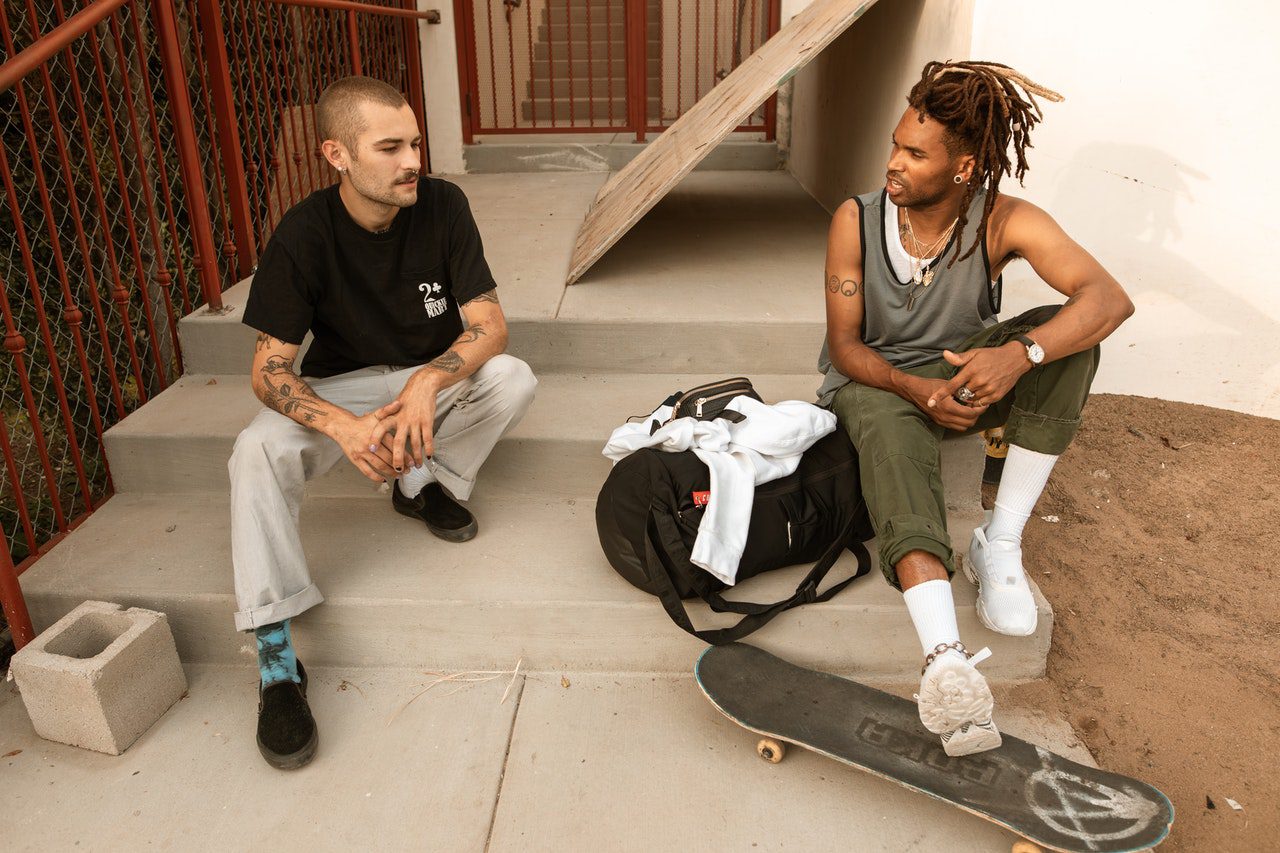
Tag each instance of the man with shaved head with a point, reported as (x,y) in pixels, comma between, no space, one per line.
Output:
(406,374)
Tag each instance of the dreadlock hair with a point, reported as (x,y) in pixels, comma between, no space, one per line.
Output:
(979,106)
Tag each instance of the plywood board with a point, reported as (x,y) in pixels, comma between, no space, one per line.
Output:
(634,190)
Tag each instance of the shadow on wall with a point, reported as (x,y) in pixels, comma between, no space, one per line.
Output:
(1146,217)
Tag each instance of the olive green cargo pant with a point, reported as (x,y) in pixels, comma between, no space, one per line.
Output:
(899,446)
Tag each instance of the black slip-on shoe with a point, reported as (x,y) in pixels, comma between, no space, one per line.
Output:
(287,734)
(444,516)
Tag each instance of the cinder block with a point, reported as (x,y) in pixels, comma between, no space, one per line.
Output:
(100,677)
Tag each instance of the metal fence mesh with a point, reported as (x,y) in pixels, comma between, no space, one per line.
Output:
(98,255)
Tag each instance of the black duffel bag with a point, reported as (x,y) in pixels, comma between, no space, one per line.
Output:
(647,517)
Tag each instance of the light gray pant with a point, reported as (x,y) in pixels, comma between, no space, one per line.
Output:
(275,456)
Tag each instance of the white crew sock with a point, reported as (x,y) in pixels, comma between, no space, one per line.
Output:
(1025,475)
(414,480)
(933,612)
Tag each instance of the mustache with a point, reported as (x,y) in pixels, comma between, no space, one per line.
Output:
(410,175)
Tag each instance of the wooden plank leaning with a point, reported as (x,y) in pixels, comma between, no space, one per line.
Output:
(632,191)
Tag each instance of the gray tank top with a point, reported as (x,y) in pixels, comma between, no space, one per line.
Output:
(960,302)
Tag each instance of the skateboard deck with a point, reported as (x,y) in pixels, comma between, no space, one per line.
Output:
(1047,799)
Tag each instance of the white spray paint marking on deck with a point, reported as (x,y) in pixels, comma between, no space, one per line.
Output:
(1068,803)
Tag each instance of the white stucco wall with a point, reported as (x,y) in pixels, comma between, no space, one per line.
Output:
(845,102)
(440,89)
(1161,162)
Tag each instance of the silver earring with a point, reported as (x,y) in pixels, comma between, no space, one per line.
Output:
(957,179)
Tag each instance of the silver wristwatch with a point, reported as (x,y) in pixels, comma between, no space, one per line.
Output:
(1035,353)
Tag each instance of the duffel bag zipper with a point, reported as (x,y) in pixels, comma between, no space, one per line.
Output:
(701,401)
(788,536)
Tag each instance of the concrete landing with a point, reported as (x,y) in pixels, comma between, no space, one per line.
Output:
(646,765)
(541,155)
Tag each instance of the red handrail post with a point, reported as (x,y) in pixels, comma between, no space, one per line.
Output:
(15,608)
(416,100)
(637,66)
(353,37)
(188,151)
(224,108)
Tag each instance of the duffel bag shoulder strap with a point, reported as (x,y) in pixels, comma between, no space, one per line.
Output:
(755,616)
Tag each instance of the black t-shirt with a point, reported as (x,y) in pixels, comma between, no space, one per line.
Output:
(389,298)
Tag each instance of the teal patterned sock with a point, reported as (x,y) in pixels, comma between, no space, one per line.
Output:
(277,660)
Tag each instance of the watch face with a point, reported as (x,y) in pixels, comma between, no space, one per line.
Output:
(1036,353)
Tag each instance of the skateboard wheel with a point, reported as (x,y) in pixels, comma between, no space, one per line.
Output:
(771,750)
(1025,847)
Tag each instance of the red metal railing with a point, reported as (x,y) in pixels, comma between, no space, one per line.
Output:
(602,66)
(147,148)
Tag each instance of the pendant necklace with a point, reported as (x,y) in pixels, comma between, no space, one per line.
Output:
(922,273)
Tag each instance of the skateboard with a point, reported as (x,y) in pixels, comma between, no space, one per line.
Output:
(1049,800)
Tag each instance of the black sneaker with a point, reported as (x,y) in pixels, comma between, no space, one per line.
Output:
(444,516)
(287,735)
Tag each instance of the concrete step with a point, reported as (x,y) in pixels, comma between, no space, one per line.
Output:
(599,66)
(676,340)
(542,87)
(601,29)
(533,586)
(180,441)
(583,108)
(597,9)
(542,51)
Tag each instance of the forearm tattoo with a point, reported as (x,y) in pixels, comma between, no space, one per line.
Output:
(448,362)
(470,336)
(487,296)
(847,287)
(288,393)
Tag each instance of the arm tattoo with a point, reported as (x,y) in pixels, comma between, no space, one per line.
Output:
(487,296)
(447,362)
(263,342)
(848,287)
(470,336)
(289,393)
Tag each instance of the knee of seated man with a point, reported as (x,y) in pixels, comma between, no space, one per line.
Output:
(262,441)
(512,379)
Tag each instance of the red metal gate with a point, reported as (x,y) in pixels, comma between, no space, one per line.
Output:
(147,148)
(601,66)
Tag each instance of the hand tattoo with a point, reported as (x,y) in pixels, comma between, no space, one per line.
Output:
(290,393)
(848,287)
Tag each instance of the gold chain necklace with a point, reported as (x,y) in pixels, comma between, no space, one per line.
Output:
(921,272)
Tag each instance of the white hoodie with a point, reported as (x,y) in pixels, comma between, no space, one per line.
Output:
(765,446)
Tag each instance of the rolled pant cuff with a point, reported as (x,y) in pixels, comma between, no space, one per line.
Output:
(1041,433)
(458,486)
(906,533)
(278,611)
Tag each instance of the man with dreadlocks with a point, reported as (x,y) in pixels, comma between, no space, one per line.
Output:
(913,351)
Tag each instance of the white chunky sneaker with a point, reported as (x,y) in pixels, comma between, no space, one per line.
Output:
(1005,602)
(955,702)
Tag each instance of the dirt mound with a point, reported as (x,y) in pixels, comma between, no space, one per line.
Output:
(1162,570)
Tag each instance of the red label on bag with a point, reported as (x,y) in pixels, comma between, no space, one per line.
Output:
(701,498)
